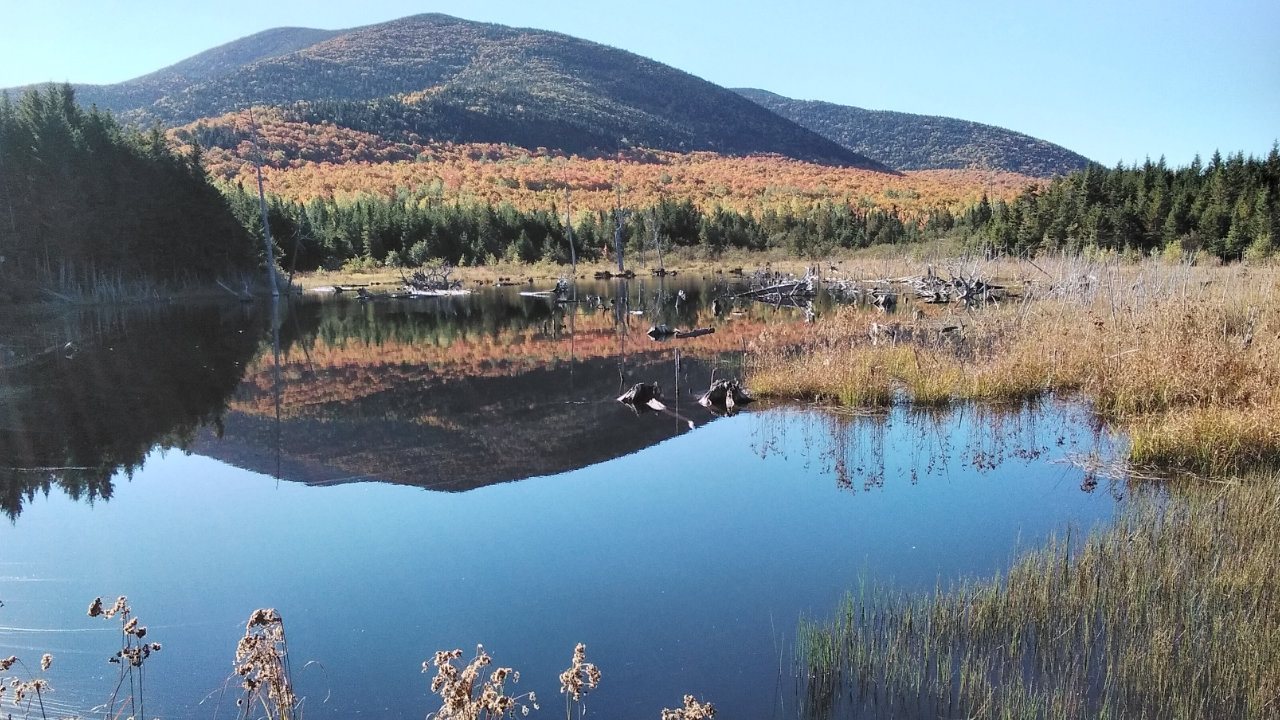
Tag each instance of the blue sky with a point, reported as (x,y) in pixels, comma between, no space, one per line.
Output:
(1115,81)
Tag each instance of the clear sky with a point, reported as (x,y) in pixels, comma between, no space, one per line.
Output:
(1114,80)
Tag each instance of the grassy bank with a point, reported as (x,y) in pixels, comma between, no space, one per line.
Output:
(1184,359)
(1173,612)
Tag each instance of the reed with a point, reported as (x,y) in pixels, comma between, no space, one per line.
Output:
(130,659)
(1172,612)
(262,662)
(1185,359)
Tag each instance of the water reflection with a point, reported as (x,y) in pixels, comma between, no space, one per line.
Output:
(84,396)
(447,393)
(666,551)
(863,449)
(458,393)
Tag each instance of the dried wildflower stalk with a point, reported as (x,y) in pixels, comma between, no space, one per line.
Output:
(462,700)
(577,680)
(23,690)
(132,654)
(262,659)
(692,710)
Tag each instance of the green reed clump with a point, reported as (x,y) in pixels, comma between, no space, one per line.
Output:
(1172,613)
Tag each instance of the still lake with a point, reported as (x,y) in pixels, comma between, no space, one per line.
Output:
(397,477)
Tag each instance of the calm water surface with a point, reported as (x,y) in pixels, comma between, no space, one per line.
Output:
(422,475)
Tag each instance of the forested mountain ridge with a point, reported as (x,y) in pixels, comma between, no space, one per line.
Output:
(437,77)
(924,142)
(131,95)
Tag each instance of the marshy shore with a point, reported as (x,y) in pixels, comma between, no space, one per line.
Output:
(1173,611)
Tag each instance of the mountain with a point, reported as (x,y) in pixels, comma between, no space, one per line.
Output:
(923,142)
(140,92)
(439,77)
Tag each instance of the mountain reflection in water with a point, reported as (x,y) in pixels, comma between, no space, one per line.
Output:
(445,393)
(681,558)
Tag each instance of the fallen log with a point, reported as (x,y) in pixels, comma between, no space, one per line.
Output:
(698,332)
(660,332)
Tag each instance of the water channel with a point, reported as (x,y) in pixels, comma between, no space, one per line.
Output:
(397,477)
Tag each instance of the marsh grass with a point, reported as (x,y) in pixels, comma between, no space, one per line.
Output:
(262,661)
(130,658)
(71,284)
(1185,359)
(25,695)
(1174,612)
(577,680)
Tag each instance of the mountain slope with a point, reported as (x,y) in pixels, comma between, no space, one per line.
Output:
(208,65)
(439,77)
(923,142)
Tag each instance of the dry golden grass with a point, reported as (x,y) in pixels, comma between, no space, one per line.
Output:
(1171,613)
(683,261)
(1184,358)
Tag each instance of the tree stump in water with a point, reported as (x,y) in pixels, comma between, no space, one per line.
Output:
(641,394)
(725,396)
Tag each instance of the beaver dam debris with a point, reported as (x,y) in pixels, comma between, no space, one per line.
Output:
(433,281)
(958,287)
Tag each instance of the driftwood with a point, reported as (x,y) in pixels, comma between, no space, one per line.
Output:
(434,278)
(660,332)
(725,396)
(970,290)
(608,275)
(664,332)
(793,289)
(696,332)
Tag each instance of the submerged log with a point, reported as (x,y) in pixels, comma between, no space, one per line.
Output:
(665,332)
(697,332)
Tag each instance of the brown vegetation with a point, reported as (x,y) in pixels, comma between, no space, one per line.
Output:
(1184,358)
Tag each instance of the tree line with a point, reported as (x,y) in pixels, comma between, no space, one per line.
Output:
(83,197)
(414,227)
(1229,209)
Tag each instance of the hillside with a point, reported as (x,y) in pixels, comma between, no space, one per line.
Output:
(302,161)
(131,95)
(924,142)
(438,77)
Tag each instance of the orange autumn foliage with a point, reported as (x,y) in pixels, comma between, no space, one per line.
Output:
(303,161)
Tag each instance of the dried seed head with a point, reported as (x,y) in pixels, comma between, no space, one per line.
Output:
(45,661)
(121,605)
(95,607)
